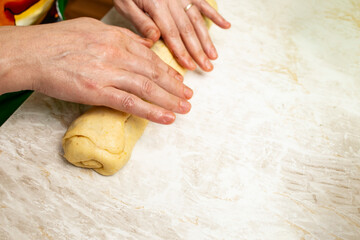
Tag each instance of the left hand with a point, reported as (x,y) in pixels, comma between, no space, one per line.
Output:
(184,32)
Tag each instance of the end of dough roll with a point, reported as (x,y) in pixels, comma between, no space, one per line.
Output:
(102,139)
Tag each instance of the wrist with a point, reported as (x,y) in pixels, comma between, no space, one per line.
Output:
(14,74)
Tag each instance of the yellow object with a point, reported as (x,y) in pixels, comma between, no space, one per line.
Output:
(164,53)
(35,14)
(103,138)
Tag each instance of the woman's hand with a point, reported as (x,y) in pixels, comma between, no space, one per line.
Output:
(183,31)
(89,62)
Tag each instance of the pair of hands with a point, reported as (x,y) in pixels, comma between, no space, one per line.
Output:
(86,61)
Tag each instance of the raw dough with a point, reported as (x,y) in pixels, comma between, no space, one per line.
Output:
(103,138)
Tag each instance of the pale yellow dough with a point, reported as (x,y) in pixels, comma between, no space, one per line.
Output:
(103,138)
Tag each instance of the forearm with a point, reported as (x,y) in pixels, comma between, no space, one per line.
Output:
(14,72)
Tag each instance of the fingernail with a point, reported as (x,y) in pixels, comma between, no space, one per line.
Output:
(188,92)
(213,52)
(208,65)
(168,118)
(179,77)
(185,106)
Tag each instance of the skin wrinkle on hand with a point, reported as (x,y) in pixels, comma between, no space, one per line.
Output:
(84,69)
(276,136)
(187,38)
(110,128)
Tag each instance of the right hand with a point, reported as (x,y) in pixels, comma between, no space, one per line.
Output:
(184,32)
(86,61)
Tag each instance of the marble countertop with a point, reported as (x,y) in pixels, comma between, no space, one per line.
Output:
(270,150)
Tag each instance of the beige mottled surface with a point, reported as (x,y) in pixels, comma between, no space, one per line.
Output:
(270,150)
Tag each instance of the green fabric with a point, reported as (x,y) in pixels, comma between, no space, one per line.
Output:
(9,102)
(62,4)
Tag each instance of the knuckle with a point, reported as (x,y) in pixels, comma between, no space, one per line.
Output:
(115,52)
(157,2)
(107,50)
(202,4)
(111,50)
(151,115)
(188,28)
(87,20)
(147,87)
(155,73)
(170,70)
(150,55)
(128,102)
(180,54)
(152,5)
(155,59)
(197,18)
(178,88)
(89,84)
(110,35)
(113,34)
(173,32)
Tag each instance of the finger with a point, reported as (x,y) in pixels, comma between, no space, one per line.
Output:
(189,37)
(144,41)
(211,13)
(202,32)
(148,90)
(146,53)
(123,101)
(171,35)
(152,71)
(141,21)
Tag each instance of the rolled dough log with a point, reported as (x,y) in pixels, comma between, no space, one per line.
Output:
(103,138)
